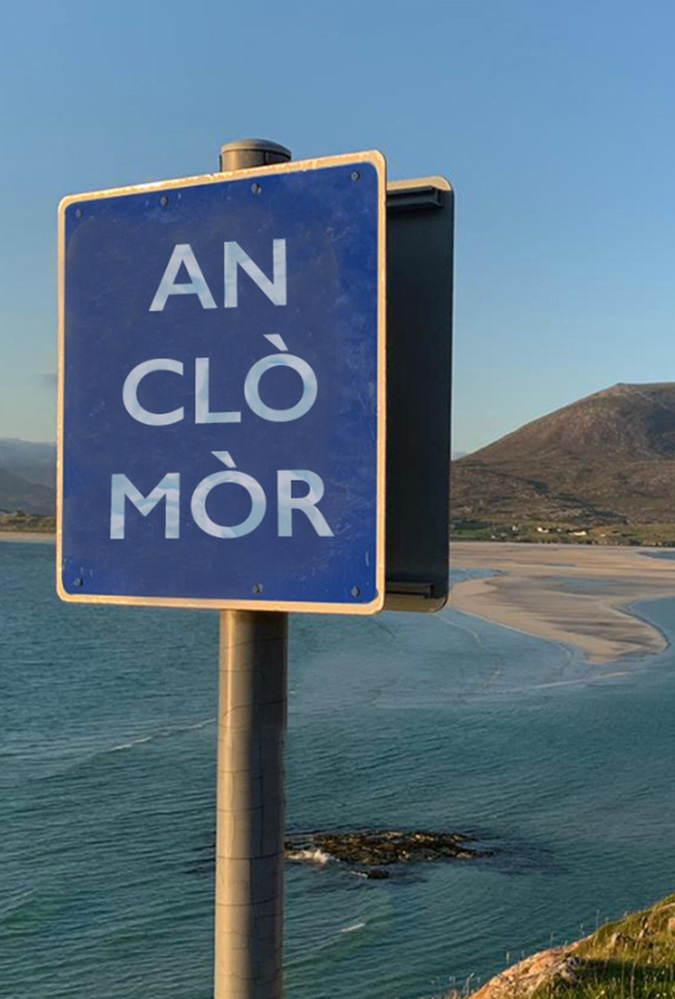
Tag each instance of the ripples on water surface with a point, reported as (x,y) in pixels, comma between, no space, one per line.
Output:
(107,767)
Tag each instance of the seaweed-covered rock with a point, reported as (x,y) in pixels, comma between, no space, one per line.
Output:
(369,852)
(380,848)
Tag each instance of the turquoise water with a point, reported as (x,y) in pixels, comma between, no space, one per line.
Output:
(107,767)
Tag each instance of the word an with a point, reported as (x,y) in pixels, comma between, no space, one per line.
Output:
(234,257)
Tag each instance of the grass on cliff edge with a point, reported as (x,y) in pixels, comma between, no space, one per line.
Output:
(633,958)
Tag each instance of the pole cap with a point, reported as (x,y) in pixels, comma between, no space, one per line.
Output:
(251,153)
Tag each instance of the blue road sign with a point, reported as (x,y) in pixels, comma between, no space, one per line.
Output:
(222,365)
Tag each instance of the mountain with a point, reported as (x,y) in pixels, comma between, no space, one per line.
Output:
(606,459)
(17,493)
(35,462)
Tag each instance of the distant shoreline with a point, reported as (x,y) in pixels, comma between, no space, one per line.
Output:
(32,537)
(579,595)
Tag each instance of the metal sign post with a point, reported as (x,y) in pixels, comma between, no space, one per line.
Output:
(250,805)
(222,444)
(227,380)
(250,782)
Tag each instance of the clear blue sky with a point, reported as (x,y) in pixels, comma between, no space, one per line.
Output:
(553,120)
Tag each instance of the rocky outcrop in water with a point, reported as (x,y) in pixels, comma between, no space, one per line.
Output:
(373,851)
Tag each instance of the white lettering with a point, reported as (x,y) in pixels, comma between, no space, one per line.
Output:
(209,526)
(202,411)
(168,489)
(182,254)
(310,388)
(306,504)
(130,392)
(122,489)
(236,257)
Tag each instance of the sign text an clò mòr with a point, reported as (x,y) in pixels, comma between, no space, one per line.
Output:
(168,488)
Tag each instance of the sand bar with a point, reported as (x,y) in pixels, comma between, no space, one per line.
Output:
(567,593)
(38,537)
(536,590)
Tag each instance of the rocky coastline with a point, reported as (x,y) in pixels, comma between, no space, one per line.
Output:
(633,958)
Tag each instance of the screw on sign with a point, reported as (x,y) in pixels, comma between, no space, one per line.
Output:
(235,321)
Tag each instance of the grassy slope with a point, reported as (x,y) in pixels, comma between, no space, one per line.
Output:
(633,958)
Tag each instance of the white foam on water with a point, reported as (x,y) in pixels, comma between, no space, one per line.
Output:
(313,856)
(162,734)
(130,745)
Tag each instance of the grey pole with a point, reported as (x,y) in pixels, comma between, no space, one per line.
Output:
(250,778)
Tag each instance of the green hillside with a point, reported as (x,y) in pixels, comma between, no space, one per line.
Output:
(633,958)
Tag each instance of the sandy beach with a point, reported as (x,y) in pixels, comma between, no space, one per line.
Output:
(30,536)
(537,590)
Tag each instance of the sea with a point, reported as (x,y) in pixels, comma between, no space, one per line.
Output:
(563,770)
